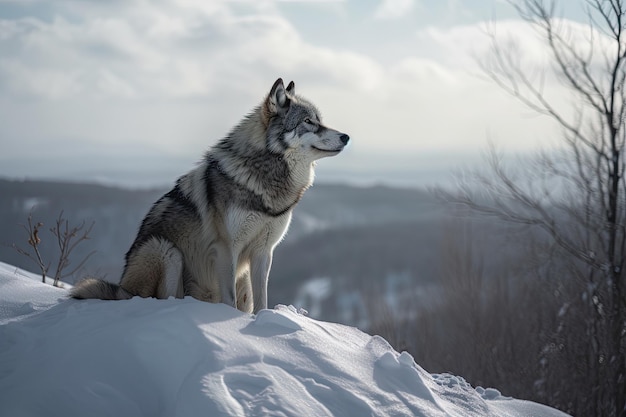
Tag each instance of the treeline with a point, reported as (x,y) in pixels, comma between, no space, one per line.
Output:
(575,287)
(516,324)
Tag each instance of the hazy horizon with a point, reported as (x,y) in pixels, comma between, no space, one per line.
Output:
(412,171)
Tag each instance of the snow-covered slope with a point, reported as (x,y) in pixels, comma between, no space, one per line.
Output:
(147,357)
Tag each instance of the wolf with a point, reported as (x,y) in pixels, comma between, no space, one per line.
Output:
(213,235)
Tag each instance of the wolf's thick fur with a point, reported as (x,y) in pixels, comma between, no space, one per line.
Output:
(212,236)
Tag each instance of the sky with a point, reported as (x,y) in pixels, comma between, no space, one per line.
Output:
(132,92)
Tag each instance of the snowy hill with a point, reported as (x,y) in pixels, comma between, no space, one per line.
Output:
(147,357)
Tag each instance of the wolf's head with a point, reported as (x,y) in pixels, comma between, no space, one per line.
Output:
(294,125)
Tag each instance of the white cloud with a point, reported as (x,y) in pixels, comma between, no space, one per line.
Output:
(394,9)
(182,50)
(173,76)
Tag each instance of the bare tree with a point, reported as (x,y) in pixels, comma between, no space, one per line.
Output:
(33,241)
(576,194)
(67,238)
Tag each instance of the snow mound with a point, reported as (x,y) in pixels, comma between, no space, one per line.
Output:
(22,293)
(147,357)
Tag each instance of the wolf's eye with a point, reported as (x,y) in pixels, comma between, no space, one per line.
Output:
(308,121)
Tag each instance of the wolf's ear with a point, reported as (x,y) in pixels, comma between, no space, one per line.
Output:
(291,89)
(277,101)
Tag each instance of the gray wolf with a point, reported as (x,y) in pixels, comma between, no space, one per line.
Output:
(212,236)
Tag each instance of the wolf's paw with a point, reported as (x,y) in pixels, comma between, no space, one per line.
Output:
(205,295)
(244,302)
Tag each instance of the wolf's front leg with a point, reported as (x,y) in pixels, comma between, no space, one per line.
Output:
(226,274)
(260,265)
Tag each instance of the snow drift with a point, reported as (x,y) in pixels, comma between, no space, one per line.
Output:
(147,357)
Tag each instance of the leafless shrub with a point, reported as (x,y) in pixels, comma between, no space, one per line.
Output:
(34,240)
(67,238)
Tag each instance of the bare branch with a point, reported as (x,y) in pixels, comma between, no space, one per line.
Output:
(576,195)
(67,240)
(32,231)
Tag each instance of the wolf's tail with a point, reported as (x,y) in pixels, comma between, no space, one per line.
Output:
(97,288)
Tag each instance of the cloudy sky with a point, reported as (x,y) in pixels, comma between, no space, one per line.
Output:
(133,91)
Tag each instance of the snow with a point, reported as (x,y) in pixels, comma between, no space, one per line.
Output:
(147,357)
(22,294)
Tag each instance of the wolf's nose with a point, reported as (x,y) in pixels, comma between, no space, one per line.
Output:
(344,138)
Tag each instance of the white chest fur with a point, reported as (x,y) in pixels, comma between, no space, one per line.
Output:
(252,237)
(253,230)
